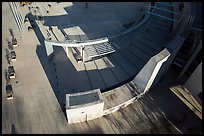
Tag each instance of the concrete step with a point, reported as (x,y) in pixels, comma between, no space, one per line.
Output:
(145,48)
(94,76)
(149,42)
(137,52)
(138,63)
(160,23)
(106,73)
(117,70)
(159,26)
(157,39)
(126,65)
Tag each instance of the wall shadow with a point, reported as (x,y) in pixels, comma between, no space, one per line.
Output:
(174,109)
(74,18)
(13,130)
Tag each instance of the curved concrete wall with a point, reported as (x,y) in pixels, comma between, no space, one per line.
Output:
(179,35)
(143,81)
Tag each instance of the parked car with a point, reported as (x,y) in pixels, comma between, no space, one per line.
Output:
(14,42)
(13,55)
(30,28)
(11,72)
(9,91)
(26,20)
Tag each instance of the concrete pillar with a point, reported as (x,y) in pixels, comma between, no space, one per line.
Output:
(67,51)
(48,47)
(83,54)
(81,50)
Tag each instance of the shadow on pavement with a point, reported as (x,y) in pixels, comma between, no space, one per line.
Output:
(175,110)
(13,130)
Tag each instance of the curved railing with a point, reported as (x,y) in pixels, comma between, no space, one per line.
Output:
(184,24)
(77,43)
(117,35)
(131,29)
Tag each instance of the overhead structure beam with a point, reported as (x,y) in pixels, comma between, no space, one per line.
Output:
(163,3)
(158,15)
(165,10)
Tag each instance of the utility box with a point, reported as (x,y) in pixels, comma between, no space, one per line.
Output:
(84,106)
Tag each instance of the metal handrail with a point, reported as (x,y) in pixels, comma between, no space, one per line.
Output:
(184,25)
(132,29)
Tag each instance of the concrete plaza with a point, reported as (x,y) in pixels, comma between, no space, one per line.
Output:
(41,84)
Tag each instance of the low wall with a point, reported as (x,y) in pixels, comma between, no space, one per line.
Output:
(144,79)
(95,109)
(84,106)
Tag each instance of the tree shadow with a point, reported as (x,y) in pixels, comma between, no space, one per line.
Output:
(7,56)
(13,129)
(6,76)
(10,45)
(11,33)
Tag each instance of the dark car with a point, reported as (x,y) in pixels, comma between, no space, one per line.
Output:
(9,91)
(13,55)
(11,72)
(14,42)
(30,28)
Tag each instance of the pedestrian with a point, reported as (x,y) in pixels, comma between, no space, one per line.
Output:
(86,5)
